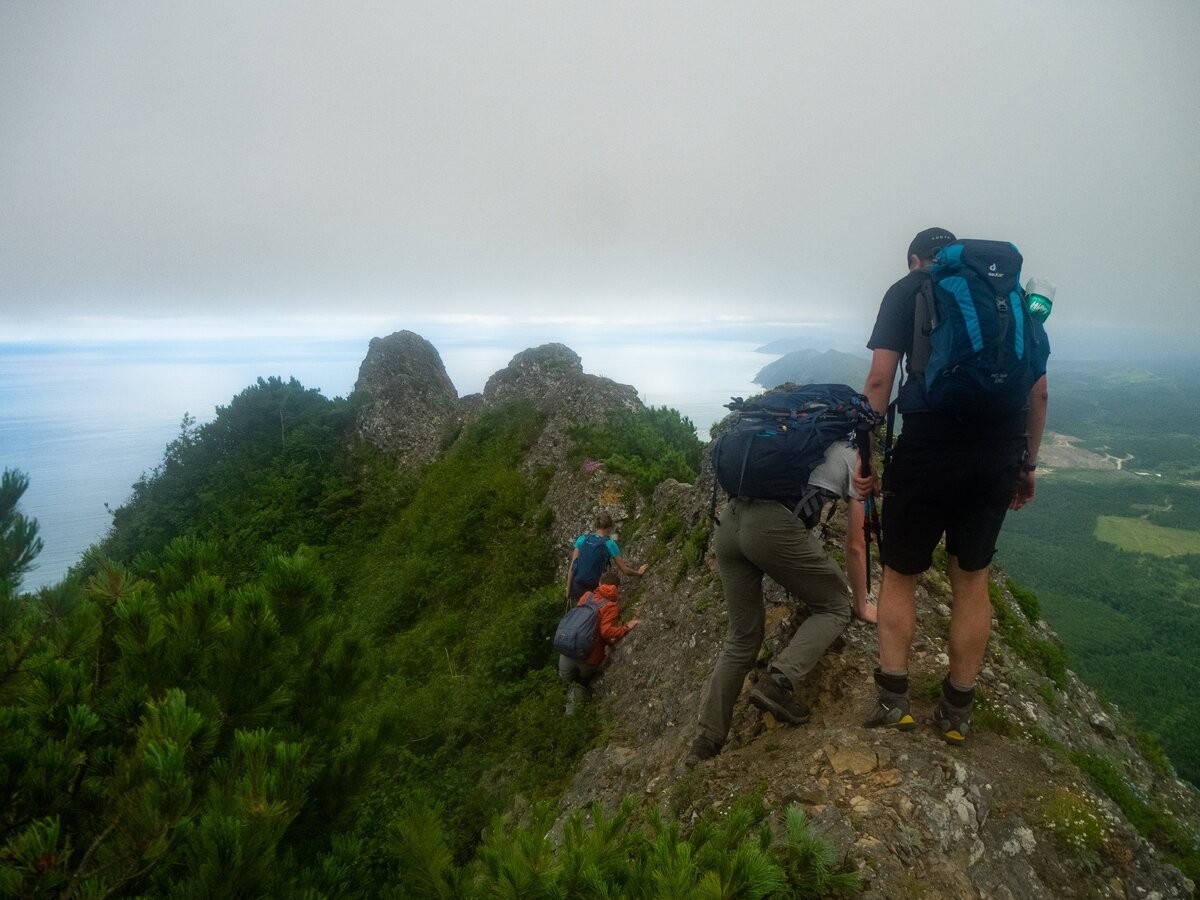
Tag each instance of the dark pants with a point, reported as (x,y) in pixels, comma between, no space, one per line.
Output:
(756,538)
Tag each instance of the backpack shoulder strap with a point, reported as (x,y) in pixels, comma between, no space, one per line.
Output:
(924,321)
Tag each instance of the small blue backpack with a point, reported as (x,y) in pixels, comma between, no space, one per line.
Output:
(577,630)
(592,561)
(976,348)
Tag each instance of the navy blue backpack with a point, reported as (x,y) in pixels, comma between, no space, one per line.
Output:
(779,437)
(976,347)
(592,561)
(577,630)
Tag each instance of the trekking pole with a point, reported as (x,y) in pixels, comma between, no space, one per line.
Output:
(862,438)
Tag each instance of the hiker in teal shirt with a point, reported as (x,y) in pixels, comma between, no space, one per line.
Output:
(590,558)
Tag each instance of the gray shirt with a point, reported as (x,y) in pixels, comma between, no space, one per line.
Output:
(835,474)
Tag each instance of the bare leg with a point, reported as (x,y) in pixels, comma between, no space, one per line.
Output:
(856,562)
(897,619)
(970,622)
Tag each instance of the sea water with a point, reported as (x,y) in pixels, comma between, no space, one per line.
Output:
(85,422)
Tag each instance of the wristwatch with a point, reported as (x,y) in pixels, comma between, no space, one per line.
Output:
(1025,467)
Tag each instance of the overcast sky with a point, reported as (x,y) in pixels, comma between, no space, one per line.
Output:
(348,166)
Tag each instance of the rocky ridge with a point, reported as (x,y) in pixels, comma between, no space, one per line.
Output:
(408,401)
(915,817)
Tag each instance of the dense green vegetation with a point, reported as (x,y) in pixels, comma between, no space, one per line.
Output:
(649,446)
(291,670)
(1131,621)
(1113,555)
(162,733)
(733,856)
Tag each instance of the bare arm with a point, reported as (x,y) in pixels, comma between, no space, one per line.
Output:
(856,560)
(881,377)
(1035,425)
(879,392)
(627,569)
(571,568)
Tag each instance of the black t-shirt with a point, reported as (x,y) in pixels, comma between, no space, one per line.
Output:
(894,324)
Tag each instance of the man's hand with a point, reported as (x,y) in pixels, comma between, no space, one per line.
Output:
(1025,491)
(641,570)
(633,622)
(866,485)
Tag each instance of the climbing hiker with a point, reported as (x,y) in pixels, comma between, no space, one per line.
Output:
(591,555)
(773,463)
(974,407)
(586,633)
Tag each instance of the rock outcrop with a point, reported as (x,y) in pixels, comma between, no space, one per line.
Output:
(408,400)
(551,378)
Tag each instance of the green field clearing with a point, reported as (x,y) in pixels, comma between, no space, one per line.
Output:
(1140,536)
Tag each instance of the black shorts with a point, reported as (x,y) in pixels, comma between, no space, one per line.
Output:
(960,487)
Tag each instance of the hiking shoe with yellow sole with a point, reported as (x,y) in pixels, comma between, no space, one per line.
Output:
(772,697)
(891,711)
(954,722)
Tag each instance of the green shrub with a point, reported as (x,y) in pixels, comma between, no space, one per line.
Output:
(1076,824)
(649,445)
(1048,694)
(988,716)
(1179,840)
(1045,656)
(1027,600)
(729,855)
(696,545)
(1153,752)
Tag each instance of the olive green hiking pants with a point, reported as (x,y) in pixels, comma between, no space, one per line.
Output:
(756,538)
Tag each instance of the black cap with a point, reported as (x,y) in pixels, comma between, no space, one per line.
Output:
(926,244)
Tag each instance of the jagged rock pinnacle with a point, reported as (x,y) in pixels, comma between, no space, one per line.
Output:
(552,378)
(409,400)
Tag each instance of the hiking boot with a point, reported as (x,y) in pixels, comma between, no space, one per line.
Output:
(770,696)
(891,711)
(702,748)
(954,722)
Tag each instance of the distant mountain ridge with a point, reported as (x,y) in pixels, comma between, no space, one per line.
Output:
(810,366)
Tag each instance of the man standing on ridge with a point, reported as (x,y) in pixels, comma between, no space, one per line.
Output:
(951,475)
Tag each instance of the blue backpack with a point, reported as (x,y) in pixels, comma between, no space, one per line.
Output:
(577,630)
(779,437)
(592,561)
(976,348)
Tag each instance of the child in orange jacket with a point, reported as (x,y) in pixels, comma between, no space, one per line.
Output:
(609,630)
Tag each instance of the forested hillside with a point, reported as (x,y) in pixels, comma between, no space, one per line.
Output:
(1131,619)
(1115,555)
(312,659)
